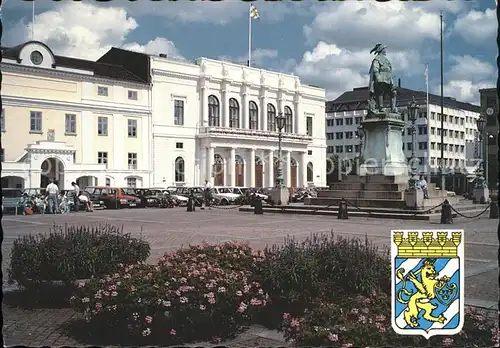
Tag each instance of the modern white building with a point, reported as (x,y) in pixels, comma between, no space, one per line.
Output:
(216,121)
(344,115)
(72,120)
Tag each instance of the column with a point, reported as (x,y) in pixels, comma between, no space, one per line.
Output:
(303,169)
(270,168)
(225,108)
(263,112)
(245,122)
(298,116)
(202,175)
(288,172)
(210,164)
(232,173)
(204,106)
(252,168)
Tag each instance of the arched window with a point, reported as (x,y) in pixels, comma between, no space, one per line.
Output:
(253,114)
(310,172)
(179,169)
(288,120)
(271,117)
(234,113)
(213,111)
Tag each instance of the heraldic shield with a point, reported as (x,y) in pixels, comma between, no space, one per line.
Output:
(427,282)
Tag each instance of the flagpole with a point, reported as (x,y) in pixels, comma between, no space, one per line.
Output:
(33,23)
(428,114)
(249,36)
(443,183)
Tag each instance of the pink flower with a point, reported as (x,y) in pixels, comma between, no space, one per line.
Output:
(255,302)
(294,323)
(172,332)
(380,317)
(333,337)
(211,300)
(114,294)
(447,341)
(148,319)
(286,316)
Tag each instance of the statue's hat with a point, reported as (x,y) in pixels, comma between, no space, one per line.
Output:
(378,48)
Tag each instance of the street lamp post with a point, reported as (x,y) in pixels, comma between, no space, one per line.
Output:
(412,114)
(280,123)
(482,135)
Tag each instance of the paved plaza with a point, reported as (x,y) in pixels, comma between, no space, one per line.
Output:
(169,229)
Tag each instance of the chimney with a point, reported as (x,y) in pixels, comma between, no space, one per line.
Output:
(399,83)
(163,55)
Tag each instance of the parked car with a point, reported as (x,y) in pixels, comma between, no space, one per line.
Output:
(174,192)
(198,191)
(113,197)
(225,195)
(258,192)
(151,197)
(11,198)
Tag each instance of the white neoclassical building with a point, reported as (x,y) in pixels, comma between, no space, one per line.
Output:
(73,120)
(216,121)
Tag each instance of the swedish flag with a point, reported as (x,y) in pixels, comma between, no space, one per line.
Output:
(254,14)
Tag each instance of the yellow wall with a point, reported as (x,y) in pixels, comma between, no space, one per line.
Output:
(30,86)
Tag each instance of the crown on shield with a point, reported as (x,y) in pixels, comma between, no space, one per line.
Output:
(427,245)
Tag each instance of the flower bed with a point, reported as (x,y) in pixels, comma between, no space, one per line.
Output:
(324,292)
(72,252)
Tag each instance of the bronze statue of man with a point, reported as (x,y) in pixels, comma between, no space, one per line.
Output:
(381,81)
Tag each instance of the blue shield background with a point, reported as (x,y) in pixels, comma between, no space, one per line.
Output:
(453,321)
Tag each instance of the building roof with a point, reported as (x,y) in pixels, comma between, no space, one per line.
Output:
(358,97)
(116,64)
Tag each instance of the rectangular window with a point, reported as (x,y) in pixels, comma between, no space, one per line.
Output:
(445,118)
(422,146)
(357,148)
(330,136)
(422,130)
(358,120)
(408,131)
(2,155)
(451,118)
(70,124)
(348,148)
(102,91)
(433,115)
(102,126)
(433,160)
(310,152)
(409,146)
(461,121)
(348,121)
(179,112)
(433,145)
(339,149)
(339,135)
(445,132)
(36,121)
(132,160)
(462,134)
(457,133)
(433,130)
(339,122)
(179,145)
(349,135)
(462,148)
(329,149)
(132,182)
(132,95)
(102,158)
(132,128)
(457,147)
(2,121)
(309,126)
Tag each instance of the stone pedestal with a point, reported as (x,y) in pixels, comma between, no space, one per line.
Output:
(280,196)
(481,195)
(414,199)
(382,147)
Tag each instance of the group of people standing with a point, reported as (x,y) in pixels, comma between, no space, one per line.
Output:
(58,203)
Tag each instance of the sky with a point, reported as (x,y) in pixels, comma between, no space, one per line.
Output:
(326,43)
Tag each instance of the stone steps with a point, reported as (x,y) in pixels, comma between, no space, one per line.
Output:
(369,194)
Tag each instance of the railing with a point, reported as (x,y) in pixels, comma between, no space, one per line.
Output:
(254,133)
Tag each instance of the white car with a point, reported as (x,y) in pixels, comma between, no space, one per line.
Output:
(174,194)
(225,195)
(244,191)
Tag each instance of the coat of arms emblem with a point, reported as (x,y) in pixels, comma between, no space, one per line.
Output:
(427,282)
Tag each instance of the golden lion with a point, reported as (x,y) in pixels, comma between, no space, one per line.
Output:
(426,291)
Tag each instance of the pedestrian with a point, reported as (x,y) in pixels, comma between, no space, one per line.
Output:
(52,192)
(85,199)
(422,183)
(76,194)
(207,194)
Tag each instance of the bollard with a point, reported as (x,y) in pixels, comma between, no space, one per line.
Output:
(190,204)
(446,216)
(342,214)
(258,210)
(494,209)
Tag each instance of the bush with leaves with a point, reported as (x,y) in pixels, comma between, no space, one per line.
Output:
(201,293)
(364,322)
(72,252)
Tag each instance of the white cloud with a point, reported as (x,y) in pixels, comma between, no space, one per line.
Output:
(356,24)
(85,31)
(477,27)
(465,91)
(156,46)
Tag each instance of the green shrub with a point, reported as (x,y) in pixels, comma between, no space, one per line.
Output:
(72,252)
(365,322)
(200,293)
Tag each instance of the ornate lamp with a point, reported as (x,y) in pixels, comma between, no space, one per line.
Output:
(481,125)
(412,116)
(280,124)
